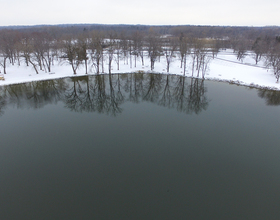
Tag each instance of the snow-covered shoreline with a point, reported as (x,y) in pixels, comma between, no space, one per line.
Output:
(223,68)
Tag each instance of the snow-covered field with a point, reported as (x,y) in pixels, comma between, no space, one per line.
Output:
(224,67)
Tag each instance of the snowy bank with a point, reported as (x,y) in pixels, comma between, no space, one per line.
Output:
(224,67)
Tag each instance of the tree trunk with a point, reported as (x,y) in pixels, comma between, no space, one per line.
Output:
(97,65)
(185,63)
(86,65)
(4,65)
(102,62)
(34,66)
(73,68)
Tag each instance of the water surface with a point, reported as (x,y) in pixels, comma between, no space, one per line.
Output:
(138,146)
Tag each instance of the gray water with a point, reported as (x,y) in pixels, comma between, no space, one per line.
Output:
(138,146)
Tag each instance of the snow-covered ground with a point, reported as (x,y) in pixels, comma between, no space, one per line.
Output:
(224,67)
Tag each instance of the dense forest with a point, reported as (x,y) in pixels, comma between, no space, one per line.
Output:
(90,45)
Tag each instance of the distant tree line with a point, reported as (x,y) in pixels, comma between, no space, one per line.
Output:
(92,45)
(197,31)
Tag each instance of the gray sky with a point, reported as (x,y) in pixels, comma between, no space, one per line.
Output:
(154,12)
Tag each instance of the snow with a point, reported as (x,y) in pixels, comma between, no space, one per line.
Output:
(224,67)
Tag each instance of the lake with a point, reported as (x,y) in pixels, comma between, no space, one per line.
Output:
(139,146)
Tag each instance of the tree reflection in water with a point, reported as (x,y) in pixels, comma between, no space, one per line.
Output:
(34,94)
(271,97)
(76,98)
(197,100)
(3,103)
(106,93)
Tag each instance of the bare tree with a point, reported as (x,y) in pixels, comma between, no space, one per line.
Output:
(154,47)
(201,56)
(38,41)
(49,50)
(118,50)
(169,49)
(71,53)
(240,46)
(96,46)
(183,49)
(258,48)
(137,43)
(111,49)
(28,52)
(83,44)
(273,58)
(8,42)
(215,47)
(124,46)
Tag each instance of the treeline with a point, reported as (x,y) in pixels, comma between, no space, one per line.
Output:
(197,31)
(91,45)
(92,48)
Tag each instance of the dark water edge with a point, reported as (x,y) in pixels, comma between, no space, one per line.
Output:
(139,147)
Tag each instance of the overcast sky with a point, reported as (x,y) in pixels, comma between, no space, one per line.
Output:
(153,12)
